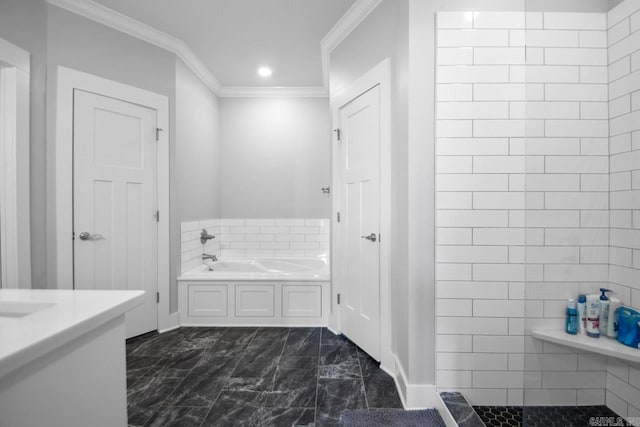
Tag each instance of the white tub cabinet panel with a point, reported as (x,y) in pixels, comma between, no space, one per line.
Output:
(255,301)
(301,301)
(208,300)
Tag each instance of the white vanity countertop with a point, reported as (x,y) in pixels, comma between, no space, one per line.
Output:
(55,318)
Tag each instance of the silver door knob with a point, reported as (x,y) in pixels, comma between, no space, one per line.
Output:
(88,236)
(371,237)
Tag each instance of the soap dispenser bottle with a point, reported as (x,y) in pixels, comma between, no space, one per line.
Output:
(604,310)
(572,317)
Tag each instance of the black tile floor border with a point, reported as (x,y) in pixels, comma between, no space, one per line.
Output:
(548,416)
(251,376)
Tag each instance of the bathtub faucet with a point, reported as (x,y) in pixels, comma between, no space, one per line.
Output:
(211,257)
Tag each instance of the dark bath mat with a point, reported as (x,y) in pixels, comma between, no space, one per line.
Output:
(391,418)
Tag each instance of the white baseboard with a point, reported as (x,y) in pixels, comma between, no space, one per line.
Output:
(173,322)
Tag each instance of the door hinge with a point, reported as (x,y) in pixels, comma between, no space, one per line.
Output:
(338,299)
(338,216)
(158,297)
(337,131)
(73,235)
(157,216)
(158,130)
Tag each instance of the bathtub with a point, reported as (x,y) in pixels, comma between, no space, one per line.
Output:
(256,292)
(315,269)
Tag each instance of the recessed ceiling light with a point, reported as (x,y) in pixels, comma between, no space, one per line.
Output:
(264,71)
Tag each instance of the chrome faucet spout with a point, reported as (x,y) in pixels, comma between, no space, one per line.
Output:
(211,257)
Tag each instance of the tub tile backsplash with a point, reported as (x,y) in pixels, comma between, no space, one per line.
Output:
(255,238)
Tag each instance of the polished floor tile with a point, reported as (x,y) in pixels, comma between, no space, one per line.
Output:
(251,376)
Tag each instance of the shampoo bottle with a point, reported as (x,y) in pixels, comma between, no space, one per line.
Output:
(582,313)
(572,317)
(593,316)
(604,311)
(613,321)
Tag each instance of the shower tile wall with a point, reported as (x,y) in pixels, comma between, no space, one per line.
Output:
(623,380)
(297,237)
(522,197)
(191,248)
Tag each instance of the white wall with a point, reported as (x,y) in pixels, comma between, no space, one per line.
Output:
(24,23)
(623,380)
(197,147)
(275,155)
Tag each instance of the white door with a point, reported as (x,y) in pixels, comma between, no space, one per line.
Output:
(360,220)
(115,201)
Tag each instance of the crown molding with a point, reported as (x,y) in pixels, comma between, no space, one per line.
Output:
(273,92)
(118,21)
(349,21)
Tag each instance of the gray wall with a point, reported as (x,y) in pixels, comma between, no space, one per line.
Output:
(276,155)
(197,147)
(24,23)
(384,34)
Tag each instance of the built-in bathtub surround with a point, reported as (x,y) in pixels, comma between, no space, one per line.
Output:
(270,237)
(192,249)
(522,199)
(295,237)
(623,380)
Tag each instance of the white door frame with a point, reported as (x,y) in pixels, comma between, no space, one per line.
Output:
(380,75)
(15,227)
(68,80)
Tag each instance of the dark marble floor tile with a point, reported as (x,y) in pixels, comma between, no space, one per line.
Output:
(332,354)
(381,391)
(268,334)
(249,384)
(234,334)
(302,342)
(204,333)
(235,408)
(330,338)
(203,384)
(349,369)
(298,362)
(368,365)
(146,396)
(278,417)
(139,366)
(272,347)
(167,342)
(178,364)
(293,388)
(256,366)
(169,416)
(335,396)
(132,344)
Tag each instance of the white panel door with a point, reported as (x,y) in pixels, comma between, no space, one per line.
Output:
(115,201)
(360,218)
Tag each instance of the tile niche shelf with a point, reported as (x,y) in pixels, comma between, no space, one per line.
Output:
(602,345)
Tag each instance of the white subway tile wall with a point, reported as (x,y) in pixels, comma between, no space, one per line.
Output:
(522,199)
(623,379)
(299,237)
(191,249)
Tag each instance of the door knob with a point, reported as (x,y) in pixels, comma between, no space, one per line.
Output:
(88,236)
(371,237)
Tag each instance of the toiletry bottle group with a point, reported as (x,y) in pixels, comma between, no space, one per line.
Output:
(595,314)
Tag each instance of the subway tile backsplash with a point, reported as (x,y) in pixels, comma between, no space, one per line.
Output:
(297,237)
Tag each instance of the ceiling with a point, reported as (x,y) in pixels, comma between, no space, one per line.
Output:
(233,37)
